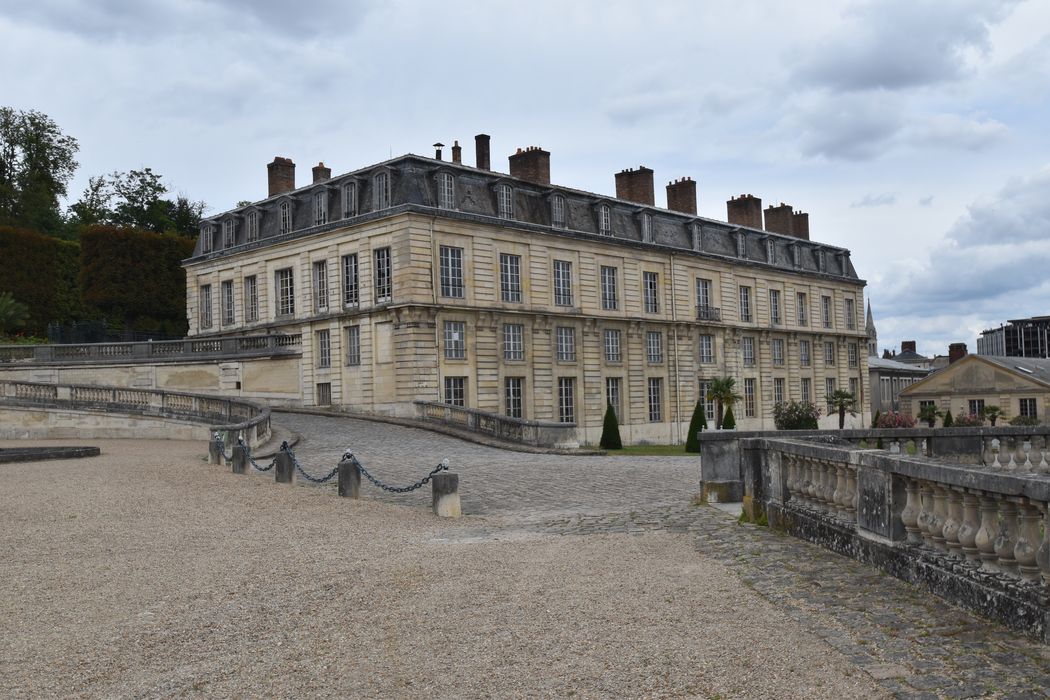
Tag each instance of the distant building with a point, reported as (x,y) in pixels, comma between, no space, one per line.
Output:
(887,376)
(909,356)
(1024,337)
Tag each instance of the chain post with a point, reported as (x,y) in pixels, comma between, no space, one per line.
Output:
(349,477)
(215,449)
(285,471)
(240,457)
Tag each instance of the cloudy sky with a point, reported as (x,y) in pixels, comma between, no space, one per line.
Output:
(913,131)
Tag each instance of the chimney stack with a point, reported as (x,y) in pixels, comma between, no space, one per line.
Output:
(481,149)
(800,225)
(745,211)
(457,152)
(780,219)
(280,175)
(681,195)
(956,351)
(321,173)
(532,164)
(437,150)
(907,346)
(636,185)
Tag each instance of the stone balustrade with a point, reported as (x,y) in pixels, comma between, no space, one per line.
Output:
(152,352)
(526,432)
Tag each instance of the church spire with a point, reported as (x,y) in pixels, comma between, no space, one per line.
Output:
(873,336)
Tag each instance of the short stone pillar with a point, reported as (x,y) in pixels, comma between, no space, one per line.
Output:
(349,479)
(284,469)
(214,451)
(240,459)
(445,490)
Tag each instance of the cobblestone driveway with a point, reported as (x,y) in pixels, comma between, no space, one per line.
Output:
(912,644)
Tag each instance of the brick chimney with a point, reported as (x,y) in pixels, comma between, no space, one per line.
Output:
(745,210)
(457,152)
(532,164)
(681,195)
(907,345)
(956,351)
(636,185)
(280,175)
(800,225)
(481,150)
(780,219)
(321,173)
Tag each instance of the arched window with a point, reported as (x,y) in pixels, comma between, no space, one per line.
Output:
(446,186)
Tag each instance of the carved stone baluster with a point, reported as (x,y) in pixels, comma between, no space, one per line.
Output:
(1026,447)
(1027,543)
(807,483)
(1012,447)
(996,464)
(1044,466)
(985,540)
(833,480)
(852,494)
(953,522)
(1042,557)
(1007,535)
(792,476)
(940,516)
(910,514)
(822,486)
(838,496)
(926,513)
(968,528)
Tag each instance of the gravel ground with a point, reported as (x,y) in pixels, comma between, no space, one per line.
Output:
(145,572)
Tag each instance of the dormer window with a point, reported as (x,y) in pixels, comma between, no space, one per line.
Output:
(381,191)
(349,199)
(698,241)
(820,260)
(229,233)
(770,251)
(446,191)
(796,255)
(321,208)
(206,238)
(505,201)
(604,220)
(286,216)
(741,250)
(647,228)
(251,223)
(558,211)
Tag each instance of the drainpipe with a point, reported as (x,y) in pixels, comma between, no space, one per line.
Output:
(674,342)
(433,297)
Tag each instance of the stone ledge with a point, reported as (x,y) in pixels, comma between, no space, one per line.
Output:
(40,454)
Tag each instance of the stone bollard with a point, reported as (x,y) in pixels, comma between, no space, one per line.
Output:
(240,459)
(214,452)
(349,479)
(285,468)
(445,491)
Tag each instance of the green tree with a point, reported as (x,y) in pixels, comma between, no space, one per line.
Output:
(992,413)
(796,415)
(948,420)
(697,423)
(730,420)
(842,401)
(875,420)
(723,392)
(136,199)
(37,162)
(42,274)
(610,431)
(13,314)
(930,414)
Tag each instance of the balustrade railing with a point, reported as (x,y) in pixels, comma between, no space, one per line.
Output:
(538,433)
(205,348)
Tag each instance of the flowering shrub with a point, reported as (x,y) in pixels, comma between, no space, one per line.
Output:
(892,419)
(796,415)
(968,420)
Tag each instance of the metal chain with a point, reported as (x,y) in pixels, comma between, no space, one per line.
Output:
(222,446)
(248,454)
(314,479)
(397,489)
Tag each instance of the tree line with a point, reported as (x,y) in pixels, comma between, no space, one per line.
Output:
(113,255)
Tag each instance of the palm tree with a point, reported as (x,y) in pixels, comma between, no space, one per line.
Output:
(930,414)
(992,413)
(843,401)
(13,314)
(723,392)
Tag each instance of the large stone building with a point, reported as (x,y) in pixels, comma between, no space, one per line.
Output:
(426,279)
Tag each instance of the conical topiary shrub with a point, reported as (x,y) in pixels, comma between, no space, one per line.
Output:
(948,420)
(610,431)
(729,422)
(697,423)
(875,420)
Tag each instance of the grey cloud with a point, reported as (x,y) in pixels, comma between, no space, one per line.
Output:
(926,201)
(1019,212)
(903,43)
(845,127)
(955,132)
(877,200)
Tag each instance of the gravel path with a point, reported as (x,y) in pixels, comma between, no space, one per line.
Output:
(147,573)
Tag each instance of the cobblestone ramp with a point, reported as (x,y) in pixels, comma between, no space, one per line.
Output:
(911,643)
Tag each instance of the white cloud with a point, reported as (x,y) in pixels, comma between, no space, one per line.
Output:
(875,200)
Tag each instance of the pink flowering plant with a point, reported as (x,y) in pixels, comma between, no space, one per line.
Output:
(892,419)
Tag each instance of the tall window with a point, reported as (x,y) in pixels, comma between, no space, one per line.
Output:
(1027,408)
(321,207)
(351,291)
(707,349)
(770,251)
(796,256)
(510,277)
(455,340)
(647,228)
(566,400)
(749,397)
(709,404)
(251,299)
(285,286)
(456,391)
(512,392)
(820,260)
(251,220)
(562,283)
(349,199)
(229,233)
(566,344)
(324,348)
(829,392)
(703,292)
(604,220)
(612,345)
(651,283)
(803,353)
(851,316)
(227,303)
(381,191)
(353,345)
(806,389)
(286,216)
(829,353)
(206,239)
(558,211)
(654,346)
(656,400)
(800,309)
(976,407)
(320,286)
(609,295)
(446,191)
(745,304)
(747,347)
(777,348)
(383,275)
(698,236)
(854,388)
(825,310)
(324,393)
(778,390)
(851,350)
(774,306)
(612,396)
(205,304)
(505,201)
(513,341)
(451,272)
(741,243)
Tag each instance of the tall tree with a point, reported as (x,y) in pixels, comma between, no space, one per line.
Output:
(723,392)
(842,401)
(136,199)
(37,162)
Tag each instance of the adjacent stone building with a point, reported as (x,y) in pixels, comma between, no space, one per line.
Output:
(426,279)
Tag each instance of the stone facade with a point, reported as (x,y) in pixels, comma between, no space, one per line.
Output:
(421,279)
